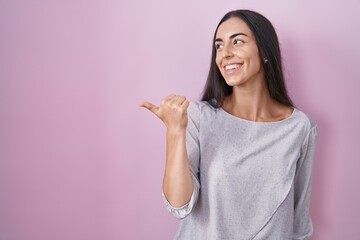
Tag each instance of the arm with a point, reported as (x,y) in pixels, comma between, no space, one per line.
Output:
(180,184)
(193,157)
(177,182)
(303,227)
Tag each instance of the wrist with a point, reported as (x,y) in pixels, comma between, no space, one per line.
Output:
(175,131)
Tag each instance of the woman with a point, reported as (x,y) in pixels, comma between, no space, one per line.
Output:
(239,162)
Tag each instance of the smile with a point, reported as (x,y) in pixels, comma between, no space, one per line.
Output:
(232,66)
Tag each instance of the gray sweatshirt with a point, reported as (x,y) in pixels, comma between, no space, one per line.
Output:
(252,180)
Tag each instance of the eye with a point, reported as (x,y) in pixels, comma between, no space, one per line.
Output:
(218,46)
(238,41)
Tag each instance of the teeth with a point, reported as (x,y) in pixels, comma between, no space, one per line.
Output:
(232,66)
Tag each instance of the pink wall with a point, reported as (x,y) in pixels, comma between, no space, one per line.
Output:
(80,160)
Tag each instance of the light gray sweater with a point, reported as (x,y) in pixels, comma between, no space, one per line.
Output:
(252,179)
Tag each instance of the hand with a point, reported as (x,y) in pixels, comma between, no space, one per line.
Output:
(172,111)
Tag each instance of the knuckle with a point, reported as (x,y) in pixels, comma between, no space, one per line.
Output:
(163,102)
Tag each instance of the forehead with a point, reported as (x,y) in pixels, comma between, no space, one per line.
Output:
(231,26)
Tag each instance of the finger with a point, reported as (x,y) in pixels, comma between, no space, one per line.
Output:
(169,100)
(151,107)
(185,104)
(174,100)
(171,96)
(180,100)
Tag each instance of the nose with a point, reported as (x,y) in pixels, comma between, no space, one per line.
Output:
(227,51)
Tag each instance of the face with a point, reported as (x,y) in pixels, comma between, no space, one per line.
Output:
(237,55)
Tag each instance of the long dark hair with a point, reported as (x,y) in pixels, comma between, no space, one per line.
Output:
(268,45)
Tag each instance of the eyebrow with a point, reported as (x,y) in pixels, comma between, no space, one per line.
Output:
(232,36)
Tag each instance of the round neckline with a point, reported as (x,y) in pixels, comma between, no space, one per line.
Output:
(255,122)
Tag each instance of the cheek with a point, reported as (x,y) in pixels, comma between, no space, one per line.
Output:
(257,61)
(217,63)
(254,59)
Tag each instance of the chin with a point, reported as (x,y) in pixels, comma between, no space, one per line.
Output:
(233,83)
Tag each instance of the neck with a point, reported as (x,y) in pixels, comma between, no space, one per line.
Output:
(250,101)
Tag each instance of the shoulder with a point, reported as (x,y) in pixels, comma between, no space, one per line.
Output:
(201,104)
(200,112)
(308,123)
(200,107)
(307,120)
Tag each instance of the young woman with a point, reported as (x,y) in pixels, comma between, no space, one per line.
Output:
(239,162)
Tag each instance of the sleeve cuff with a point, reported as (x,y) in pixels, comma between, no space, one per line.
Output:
(185,210)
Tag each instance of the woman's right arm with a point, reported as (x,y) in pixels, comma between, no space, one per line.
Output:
(177,182)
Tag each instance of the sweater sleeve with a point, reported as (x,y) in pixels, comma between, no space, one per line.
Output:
(193,151)
(303,227)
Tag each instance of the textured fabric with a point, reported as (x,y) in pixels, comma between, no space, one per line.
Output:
(252,180)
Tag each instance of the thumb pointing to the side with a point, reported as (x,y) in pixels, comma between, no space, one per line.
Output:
(151,107)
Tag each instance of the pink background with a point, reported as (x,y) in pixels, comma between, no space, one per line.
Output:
(80,160)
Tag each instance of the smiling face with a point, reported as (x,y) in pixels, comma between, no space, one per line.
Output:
(237,55)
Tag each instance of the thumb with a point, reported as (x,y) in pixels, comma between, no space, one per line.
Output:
(151,107)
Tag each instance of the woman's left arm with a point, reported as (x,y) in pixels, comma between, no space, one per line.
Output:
(303,227)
